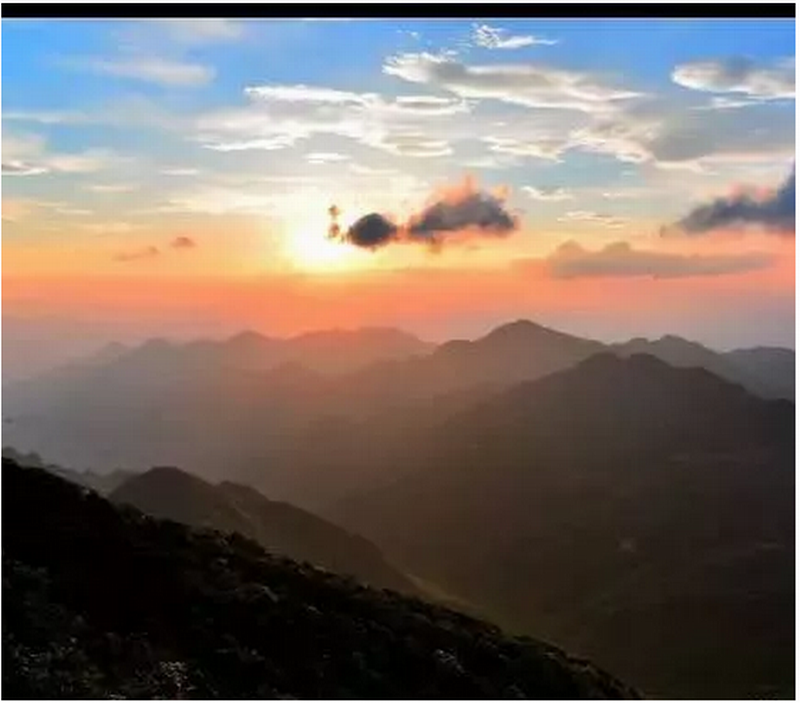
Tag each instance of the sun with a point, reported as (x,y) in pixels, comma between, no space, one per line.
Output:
(309,248)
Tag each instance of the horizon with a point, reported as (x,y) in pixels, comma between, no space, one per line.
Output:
(193,177)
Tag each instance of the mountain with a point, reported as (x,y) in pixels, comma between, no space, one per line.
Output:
(102,483)
(638,513)
(765,371)
(102,602)
(170,493)
(772,367)
(290,417)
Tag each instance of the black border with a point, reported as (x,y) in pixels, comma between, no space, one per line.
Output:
(640,10)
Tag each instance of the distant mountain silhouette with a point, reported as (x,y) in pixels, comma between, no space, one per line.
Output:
(170,493)
(101,602)
(638,513)
(768,372)
(291,416)
(103,483)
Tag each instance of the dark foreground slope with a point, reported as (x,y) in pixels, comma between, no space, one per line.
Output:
(281,528)
(104,602)
(639,514)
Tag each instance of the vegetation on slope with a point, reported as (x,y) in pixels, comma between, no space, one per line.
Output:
(103,602)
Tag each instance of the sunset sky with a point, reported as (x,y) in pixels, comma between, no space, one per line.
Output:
(609,178)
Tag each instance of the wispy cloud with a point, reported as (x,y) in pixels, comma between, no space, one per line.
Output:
(739,75)
(162,71)
(621,260)
(526,84)
(112,187)
(595,218)
(149,252)
(548,193)
(26,155)
(496,38)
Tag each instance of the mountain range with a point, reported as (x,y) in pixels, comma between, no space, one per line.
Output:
(632,502)
(637,513)
(274,418)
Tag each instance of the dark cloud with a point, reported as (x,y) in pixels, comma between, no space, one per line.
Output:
(146,253)
(473,210)
(455,213)
(619,259)
(372,231)
(183,242)
(775,213)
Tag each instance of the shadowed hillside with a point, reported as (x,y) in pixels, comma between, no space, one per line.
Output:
(638,513)
(100,602)
(279,527)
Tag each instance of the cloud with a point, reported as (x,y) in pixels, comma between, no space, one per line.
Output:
(180,172)
(150,70)
(496,38)
(279,116)
(73,211)
(738,75)
(667,137)
(548,193)
(202,31)
(138,255)
(183,242)
(371,231)
(326,157)
(131,111)
(774,213)
(453,213)
(619,259)
(105,228)
(545,147)
(20,168)
(26,155)
(527,84)
(593,218)
(363,170)
(412,144)
(112,187)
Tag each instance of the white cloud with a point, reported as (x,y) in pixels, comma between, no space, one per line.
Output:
(26,155)
(202,31)
(496,38)
(361,170)
(213,200)
(133,111)
(326,157)
(412,144)
(111,227)
(548,194)
(112,187)
(180,172)
(544,147)
(738,75)
(151,70)
(73,211)
(279,116)
(693,140)
(529,85)
(586,216)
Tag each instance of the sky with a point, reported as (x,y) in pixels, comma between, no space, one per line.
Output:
(608,178)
